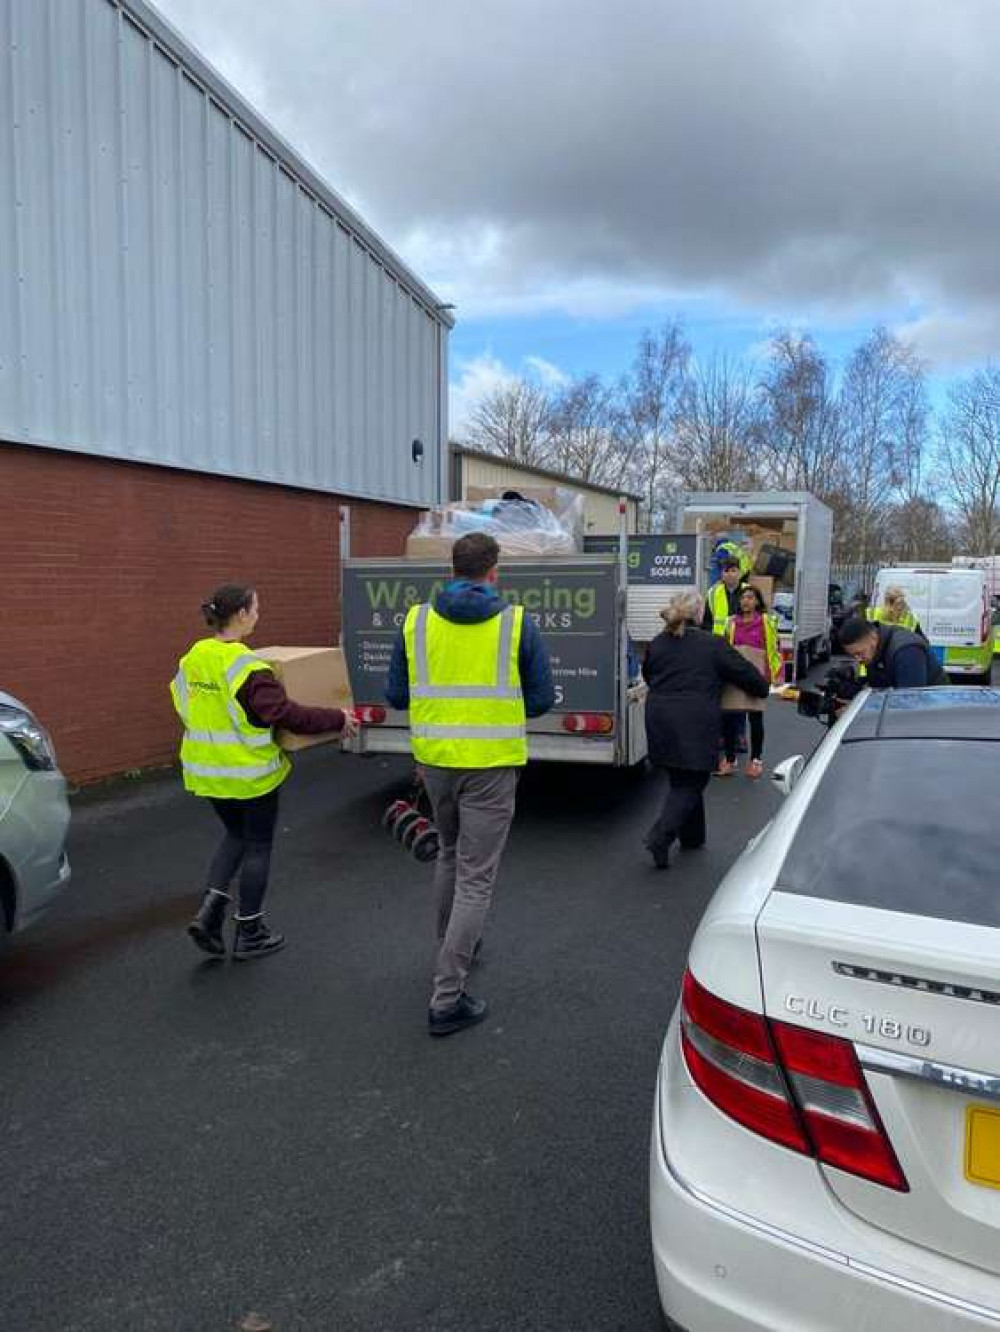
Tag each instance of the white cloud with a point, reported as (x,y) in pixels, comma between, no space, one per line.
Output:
(954,342)
(482,374)
(593,157)
(475,379)
(547,374)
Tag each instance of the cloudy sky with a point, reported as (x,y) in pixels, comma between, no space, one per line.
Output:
(569,172)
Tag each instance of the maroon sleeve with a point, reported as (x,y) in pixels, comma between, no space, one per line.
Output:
(262,697)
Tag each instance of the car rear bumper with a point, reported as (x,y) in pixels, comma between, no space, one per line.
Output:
(719,1268)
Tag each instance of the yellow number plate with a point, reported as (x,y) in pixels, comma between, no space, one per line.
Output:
(982,1146)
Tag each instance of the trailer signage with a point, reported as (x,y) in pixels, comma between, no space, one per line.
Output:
(572,602)
(664,560)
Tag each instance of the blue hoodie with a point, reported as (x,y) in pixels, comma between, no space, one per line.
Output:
(463,602)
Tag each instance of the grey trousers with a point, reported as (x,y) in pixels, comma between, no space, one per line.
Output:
(473,811)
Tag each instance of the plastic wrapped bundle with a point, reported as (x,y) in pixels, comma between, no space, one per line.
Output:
(525,523)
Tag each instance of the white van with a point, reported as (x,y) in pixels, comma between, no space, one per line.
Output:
(953,607)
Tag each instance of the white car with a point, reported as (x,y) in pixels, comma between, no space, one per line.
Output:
(826,1136)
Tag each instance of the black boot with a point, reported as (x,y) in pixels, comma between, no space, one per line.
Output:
(206,928)
(254,939)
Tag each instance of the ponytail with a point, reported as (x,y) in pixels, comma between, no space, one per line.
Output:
(225,603)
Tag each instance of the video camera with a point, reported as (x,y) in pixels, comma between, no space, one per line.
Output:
(839,686)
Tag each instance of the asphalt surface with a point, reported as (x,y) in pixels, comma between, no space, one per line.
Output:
(187,1143)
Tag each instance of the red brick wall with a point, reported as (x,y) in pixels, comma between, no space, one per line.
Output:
(103,566)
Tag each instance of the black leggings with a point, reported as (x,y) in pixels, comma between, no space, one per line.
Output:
(246,847)
(732,729)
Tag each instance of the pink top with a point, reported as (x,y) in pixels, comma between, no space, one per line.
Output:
(750,634)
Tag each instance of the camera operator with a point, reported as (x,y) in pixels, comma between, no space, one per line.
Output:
(894,658)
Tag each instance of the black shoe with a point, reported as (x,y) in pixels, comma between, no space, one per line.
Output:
(206,928)
(465,1012)
(254,939)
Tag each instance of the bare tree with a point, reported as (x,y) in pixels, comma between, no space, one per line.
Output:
(512,420)
(800,434)
(969,456)
(918,529)
(877,394)
(648,401)
(715,428)
(583,437)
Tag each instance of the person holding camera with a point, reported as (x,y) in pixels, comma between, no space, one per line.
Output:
(754,635)
(686,668)
(893,657)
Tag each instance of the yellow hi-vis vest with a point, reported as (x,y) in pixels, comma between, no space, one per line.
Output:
(222,754)
(466,706)
(772,649)
(909,620)
(718,604)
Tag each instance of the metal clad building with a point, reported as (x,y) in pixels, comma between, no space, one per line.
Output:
(211,371)
(178,288)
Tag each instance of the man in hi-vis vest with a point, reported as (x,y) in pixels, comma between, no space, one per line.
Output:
(471,669)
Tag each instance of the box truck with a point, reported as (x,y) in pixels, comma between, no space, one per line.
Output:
(786,536)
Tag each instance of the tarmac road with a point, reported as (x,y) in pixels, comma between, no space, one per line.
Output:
(187,1143)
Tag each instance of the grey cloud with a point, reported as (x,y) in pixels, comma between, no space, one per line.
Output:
(836,154)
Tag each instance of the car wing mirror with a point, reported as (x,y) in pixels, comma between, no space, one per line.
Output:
(787,773)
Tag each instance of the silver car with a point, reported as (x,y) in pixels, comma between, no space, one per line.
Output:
(34,819)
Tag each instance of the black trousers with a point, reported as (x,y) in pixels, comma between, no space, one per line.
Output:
(683,814)
(732,728)
(246,847)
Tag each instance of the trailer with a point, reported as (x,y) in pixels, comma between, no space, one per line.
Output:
(803,527)
(578,603)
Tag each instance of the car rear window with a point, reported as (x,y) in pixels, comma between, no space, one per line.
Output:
(904,825)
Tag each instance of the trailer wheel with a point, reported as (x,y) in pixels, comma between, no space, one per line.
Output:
(425,848)
(393,812)
(415,828)
(405,821)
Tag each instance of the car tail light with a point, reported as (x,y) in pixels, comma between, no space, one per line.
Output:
(370,716)
(732,1059)
(589,723)
(799,1088)
(840,1115)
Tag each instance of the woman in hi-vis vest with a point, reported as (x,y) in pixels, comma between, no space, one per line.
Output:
(229,700)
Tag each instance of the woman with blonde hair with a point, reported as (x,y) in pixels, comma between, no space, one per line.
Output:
(686,669)
(895,609)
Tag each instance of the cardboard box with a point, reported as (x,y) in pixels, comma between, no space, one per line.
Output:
(429,548)
(313,676)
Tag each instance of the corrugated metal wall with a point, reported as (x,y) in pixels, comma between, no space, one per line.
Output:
(600,510)
(177,288)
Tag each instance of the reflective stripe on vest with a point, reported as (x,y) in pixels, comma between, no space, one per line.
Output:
(477,721)
(501,689)
(223,754)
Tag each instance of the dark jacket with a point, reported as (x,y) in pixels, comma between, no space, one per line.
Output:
(683,714)
(471,603)
(904,661)
(262,697)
